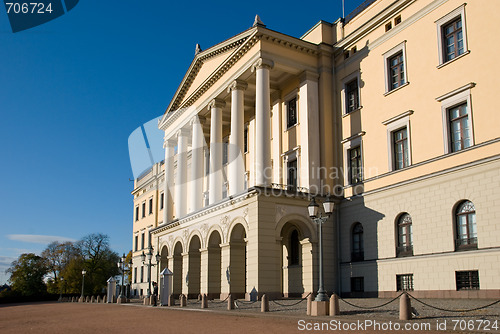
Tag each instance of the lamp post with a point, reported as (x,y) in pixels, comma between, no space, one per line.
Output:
(83,280)
(149,256)
(319,219)
(121,265)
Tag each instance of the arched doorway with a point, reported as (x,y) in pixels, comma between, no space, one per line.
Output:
(237,272)
(214,265)
(177,270)
(164,259)
(292,260)
(194,270)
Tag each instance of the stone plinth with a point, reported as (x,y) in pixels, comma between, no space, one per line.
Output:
(320,308)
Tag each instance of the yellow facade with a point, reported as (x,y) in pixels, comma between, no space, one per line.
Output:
(389,111)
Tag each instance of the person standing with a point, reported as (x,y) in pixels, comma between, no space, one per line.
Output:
(155,293)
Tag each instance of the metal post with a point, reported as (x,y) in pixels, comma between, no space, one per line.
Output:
(123,279)
(321,291)
(83,283)
(149,276)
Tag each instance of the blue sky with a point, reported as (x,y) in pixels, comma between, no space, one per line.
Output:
(73,90)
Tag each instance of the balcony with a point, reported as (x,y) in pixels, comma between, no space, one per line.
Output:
(465,244)
(357,256)
(404,251)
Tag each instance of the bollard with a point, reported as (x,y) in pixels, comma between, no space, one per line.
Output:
(199,296)
(264,304)
(309,303)
(92,300)
(204,301)
(230,302)
(98,299)
(171,300)
(334,304)
(183,300)
(404,307)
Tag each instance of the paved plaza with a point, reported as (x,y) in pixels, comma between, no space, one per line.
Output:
(286,317)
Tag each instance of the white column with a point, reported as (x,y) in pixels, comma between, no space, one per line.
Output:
(169,145)
(215,177)
(309,132)
(236,168)
(263,173)
(196,182)
(276,142)
(181,177)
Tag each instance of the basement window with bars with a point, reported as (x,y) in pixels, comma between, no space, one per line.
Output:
(404,282)
(467,280)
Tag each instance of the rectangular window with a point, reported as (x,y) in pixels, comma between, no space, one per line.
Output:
(404,282)
(291,112)
(400,149)
(396,71)
(207,162)
(142,241)
(151,206)
(225,150)
(135,275)
(388,26)
(453,39)
(467,280)
(136,213)
(292,174)
(162,200)
(142,275)
(355,165)
(357,284)
(136,247)
(143,209)
(397,20)
(459,127)
(352,95)
(245,139)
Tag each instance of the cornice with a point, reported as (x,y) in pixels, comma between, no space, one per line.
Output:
(373,23)
(205,211)
(244,44)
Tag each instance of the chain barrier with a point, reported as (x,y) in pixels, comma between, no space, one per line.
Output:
(244,303)
(220,302)
(370,307)
(297,303)
(458,311)
(191,303)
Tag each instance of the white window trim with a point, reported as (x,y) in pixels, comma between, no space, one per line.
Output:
(349,144)
(394,124)
(398,48)
(162,203)
(456,97)
(286,99)
(460,11)
(343,97)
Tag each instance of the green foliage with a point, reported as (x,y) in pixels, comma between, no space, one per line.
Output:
(27,273)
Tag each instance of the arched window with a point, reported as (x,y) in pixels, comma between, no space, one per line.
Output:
(358,253)
(405,236)
(294,248)
(465,225)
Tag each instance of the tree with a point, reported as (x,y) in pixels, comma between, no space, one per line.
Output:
(98,260)
(27,273)
(57,256)
(128,260)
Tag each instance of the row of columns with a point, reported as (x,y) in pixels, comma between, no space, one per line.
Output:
(236,168)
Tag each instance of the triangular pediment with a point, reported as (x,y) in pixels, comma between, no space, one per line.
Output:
(204,64)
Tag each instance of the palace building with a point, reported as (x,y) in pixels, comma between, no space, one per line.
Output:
(387,112)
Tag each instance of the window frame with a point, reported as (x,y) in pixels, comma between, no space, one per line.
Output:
(150,202)
(288,168)
(245,138)
(357,254)
(406,249)
(343,95)
(402,285)
(444,21)
(449,100)
(471,280)
(395,124)
(137,213)
(359,167)
(348,144)
(400,48)
(471,241)
(143,209)
(162,200)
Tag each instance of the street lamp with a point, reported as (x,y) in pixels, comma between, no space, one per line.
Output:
(83,280)
(149,256)
(313,208)
(121,265)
